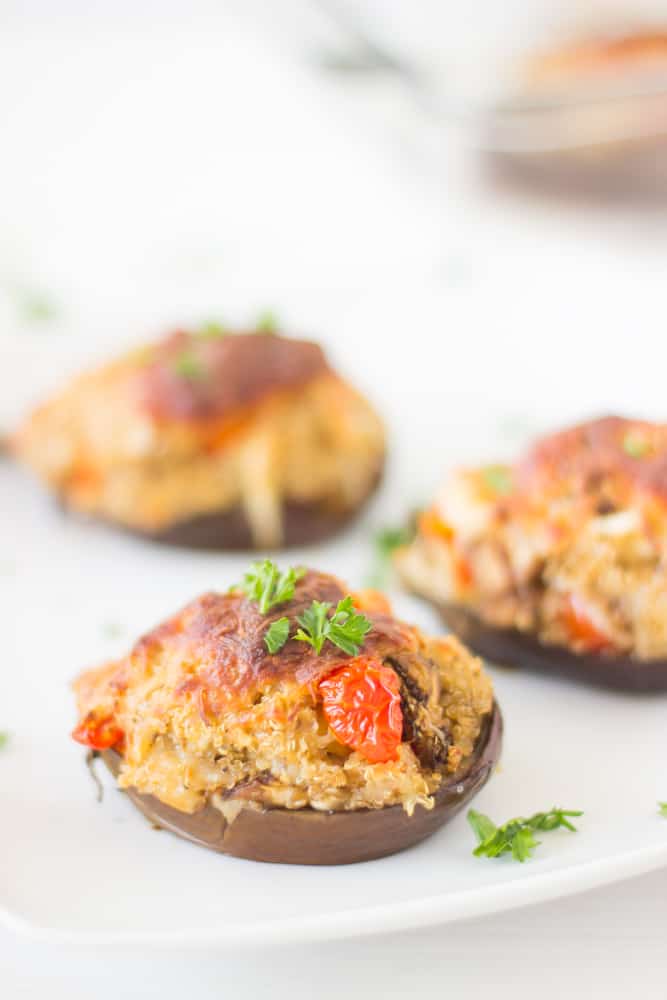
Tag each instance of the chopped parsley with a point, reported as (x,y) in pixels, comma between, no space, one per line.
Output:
(267,586)
(267,322)
(189,366)
(498,479)
(662,809)
(276,635)
(385,543)
(212,330)
(516,836)
(345,629)
(35,307)
(4,739)
(635,446)
(112,630)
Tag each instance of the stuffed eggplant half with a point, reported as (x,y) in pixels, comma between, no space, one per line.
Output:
(558,562)
(291,721)
(211,439)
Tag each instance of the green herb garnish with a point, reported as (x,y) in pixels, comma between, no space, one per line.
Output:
(662,808)
(4,739)
(112,630)
(498,479)
(189,366)
(345,629)
(635,446)
(35,307)
(277,635)
(386,541)
(267,586)
(267,322)
(211,330)
(516,836)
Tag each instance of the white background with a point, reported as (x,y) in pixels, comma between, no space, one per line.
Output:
(158,167)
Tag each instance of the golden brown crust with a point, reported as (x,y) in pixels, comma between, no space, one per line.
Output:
(223,634)
(209,378)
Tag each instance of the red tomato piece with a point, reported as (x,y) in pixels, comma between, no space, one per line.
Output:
(362,704)
(582,628)
(97,733)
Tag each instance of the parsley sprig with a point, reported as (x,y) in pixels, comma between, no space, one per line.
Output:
(265,584)
(498,479)
(345,628)
(386,541)
(267,322)
(276,635)
(635,445)
(189,366)
(211,330)
(516,836)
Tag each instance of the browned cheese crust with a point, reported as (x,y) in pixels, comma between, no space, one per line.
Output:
(236,372)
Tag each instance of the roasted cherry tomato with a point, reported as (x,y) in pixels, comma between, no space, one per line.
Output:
(97,733)
(582,628)
(362,704)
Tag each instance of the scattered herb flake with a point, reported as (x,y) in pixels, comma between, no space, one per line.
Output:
(516,836)
(662,808)
(189,366)
(267,322)
(385,543)
(345,629)
(112,630)
(4,739)
(277,635)
(35,307)
(635,446)
(267,586)
(498,479)
(212,330)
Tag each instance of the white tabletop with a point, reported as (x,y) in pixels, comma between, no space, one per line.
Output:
(155,168)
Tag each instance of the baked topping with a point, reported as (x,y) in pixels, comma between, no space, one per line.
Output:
(211,438)
(569,544)
(194,377)
(201,707)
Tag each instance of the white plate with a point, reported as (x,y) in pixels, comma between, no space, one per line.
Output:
(76,870)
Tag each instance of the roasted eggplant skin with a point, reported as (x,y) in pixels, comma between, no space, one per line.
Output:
(246,440)
(311,837)
(557,563)
(228,745)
